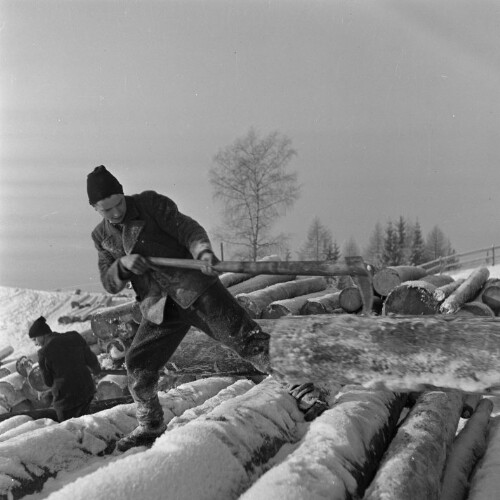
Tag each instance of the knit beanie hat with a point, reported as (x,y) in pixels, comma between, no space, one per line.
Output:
(101,184)
(39,328)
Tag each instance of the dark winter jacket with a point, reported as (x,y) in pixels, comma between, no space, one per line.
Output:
(65,362)
(153,227)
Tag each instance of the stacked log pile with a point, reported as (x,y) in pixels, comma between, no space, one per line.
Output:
(229,439)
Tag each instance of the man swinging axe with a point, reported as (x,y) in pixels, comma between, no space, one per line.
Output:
(135,228)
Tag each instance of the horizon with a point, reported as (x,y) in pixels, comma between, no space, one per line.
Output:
(392,107)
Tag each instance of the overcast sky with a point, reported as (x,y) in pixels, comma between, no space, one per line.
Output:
(392,105)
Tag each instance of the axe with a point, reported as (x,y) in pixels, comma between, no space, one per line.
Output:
(352,266)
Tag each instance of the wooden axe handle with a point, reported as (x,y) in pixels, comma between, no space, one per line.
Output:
(353,266)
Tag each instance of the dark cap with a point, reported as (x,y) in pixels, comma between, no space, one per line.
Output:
(39,328)
(102,184)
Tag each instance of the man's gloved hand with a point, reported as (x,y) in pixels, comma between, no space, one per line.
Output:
(134,263)
(210,259)
(309,399)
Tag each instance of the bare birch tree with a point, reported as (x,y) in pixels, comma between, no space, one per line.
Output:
(251,180)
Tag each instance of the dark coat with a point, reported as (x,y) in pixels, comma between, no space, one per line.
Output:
(65,362)
(153,227)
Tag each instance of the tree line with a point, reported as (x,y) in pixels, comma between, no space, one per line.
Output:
(252,180)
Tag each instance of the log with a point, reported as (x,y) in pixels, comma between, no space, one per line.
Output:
(414,298)
(414,462)
(5,352)
(470,404)
(491,297)
(116,321)
(437,279)
(398,353)
(475,308)
(116,349)
(259,282)
(485,480)
(466,292)
(324,304)
(11,389)
(388,278)
(95,407)
(350,299)
(467,449)
(11,423)
(229,279)
(7,369)
(338,456)
(112,387)
(35,379)
(442,292)
(231,456)
(255,302)
(89,336)
(287,307)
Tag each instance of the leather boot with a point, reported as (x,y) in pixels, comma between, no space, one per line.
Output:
(142,435)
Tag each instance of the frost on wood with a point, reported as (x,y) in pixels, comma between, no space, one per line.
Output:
(32,457)
(212,457)
(396,353)
(415,460)
(337,457)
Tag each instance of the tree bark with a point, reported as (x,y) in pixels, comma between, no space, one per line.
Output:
(466,292)
(6,352)
(259,282)
(287,307)
(442,292)
(11,392)
(414,462)
(438,279)
(338,456)
(388,278)
(467,449)
(491,297)
(256,302)
(398,353)
(475,308)
(324,304)
(412,298)
(116,321)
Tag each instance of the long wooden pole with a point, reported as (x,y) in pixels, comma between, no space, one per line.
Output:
(401,353)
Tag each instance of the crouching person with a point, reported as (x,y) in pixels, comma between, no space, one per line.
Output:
(66,363)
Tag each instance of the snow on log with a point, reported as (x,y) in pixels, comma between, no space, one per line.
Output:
(414,462)
(112,386)
(475,308)
(259,282)
(389,277)
(350,299)
(339,454)
(26,427)
(255,302)
(467,449)
(324,304)
(236,389)
(491,297)
(466,292)
(444,291)
(398,353)
(412,298)
(27,460)
(485,480)
(287,307)
(213,457)
(13,422)
(438,279)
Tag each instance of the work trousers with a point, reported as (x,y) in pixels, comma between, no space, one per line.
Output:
(216,312)
(74,411)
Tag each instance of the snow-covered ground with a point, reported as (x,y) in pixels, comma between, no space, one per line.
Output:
(20,307)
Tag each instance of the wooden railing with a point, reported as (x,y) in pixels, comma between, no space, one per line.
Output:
(488,256)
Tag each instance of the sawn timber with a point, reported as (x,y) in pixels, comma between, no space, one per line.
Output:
(410,353)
